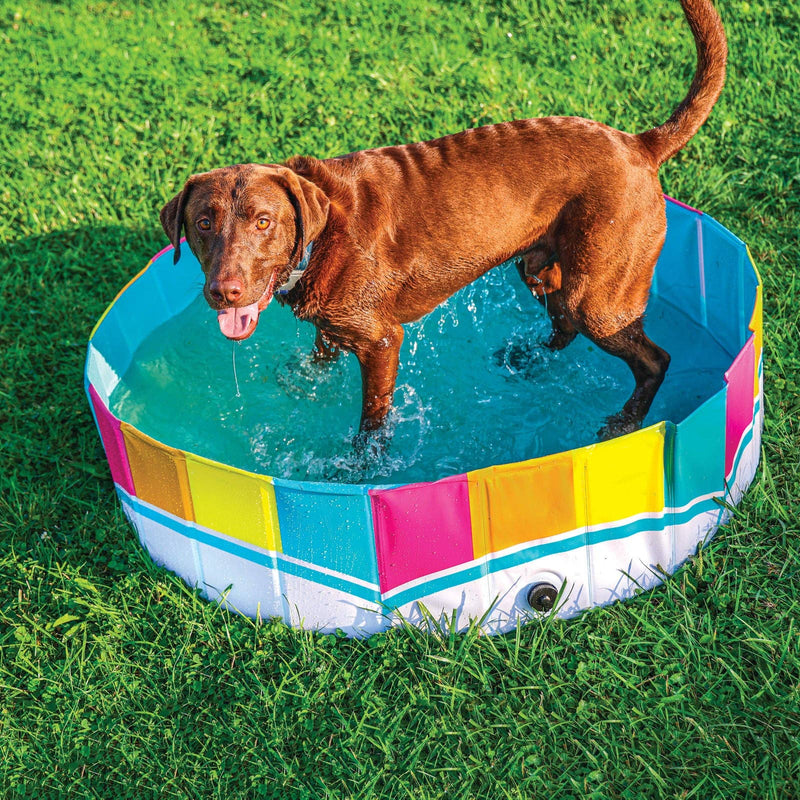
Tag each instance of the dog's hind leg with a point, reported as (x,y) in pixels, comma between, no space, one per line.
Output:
(563,330)
(609,310)
(544,282)
(607,262)
(648,363)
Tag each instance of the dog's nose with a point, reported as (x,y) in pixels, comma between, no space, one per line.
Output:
(226,291)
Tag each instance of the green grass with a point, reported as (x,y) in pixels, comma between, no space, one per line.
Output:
(115,679)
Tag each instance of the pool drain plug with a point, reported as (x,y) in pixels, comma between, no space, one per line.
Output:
(542,597)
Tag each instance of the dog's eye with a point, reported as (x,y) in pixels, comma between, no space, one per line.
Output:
(262,223)
(204,224)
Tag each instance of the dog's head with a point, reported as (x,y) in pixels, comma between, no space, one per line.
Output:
(249,226)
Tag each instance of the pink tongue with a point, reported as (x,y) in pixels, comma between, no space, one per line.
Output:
(235,322)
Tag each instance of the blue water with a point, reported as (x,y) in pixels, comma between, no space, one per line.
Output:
(476,387)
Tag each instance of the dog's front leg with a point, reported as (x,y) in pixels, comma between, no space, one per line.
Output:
(324,349)
(378,359)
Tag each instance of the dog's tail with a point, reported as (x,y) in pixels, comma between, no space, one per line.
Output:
(712,52)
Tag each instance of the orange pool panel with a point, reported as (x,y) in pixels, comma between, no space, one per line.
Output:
(513,504)
(159,473)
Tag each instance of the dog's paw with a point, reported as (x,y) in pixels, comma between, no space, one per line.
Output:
(370,445)
(518,357)
(560,339)
(617,425)
(301,376)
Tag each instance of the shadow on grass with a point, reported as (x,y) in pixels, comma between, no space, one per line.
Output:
(55,482)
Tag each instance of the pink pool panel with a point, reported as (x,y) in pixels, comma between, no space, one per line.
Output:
(421,529)
(682,205)
(113,443)
(739,408)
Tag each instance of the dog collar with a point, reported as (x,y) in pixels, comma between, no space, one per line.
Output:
(297,273)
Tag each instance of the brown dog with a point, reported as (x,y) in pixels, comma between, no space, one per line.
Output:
(397,230)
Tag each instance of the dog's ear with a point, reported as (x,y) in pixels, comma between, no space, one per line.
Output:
(311,206)
(172,217)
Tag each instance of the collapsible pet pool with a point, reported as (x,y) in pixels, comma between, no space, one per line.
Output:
(596,522)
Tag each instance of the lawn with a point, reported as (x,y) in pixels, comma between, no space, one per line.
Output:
(118,681)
